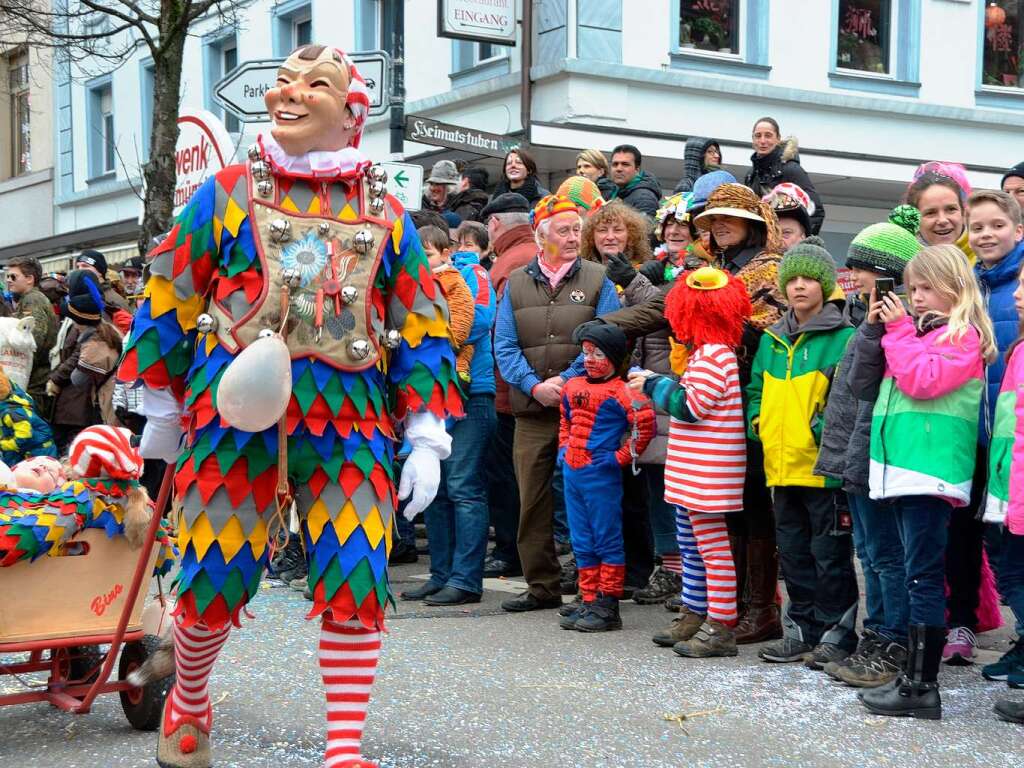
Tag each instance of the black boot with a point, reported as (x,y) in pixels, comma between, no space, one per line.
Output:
(915,693)
(600,616)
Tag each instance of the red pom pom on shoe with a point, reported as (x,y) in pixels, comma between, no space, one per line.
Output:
(188,744)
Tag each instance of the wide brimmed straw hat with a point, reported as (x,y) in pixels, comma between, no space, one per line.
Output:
(740,202)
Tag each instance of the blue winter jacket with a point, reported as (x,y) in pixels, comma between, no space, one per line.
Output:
(997,285)
(481,367)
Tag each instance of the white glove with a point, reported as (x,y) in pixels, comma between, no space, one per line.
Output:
(161,437)
(421,474)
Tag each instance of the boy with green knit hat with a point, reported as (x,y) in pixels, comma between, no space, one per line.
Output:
(785,404)
(880,250)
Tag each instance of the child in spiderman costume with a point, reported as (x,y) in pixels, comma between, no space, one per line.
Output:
(302,247)
(604,427)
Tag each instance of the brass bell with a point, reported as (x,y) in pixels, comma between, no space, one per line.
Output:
(324,228)
(280,230)
(377,189)
(377,173)
(363,241)
(392,339)
(349,294)
(266,333)
(261,170)
(359,349)
(255,153)
(291,277)
(206,323)
(265,188)
(376,205)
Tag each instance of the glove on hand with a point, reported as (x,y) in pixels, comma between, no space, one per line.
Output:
(619,270)
(421,475)
(654,271)
(161,437)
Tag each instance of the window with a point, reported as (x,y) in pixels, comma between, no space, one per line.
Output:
(101,139)
(1003,44)
(21,119)
(220,56)
(368,25)
(147,86)
(710,25)
(229,60)
(293,25)
(469,55)
(864,35)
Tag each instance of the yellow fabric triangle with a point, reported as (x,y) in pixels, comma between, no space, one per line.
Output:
(258,539)
(348,213)
(416,327)
(346,522)
(231,538)
(200,534)
(234,215)
(218,229)
(317,518)
(314,205)
(374,528)
(396,236)
(288,205)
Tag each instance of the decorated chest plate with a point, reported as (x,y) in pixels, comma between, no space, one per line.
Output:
(320,246)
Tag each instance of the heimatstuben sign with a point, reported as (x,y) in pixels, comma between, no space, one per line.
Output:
(423,130)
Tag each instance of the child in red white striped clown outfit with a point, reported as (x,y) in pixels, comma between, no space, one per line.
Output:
(706,462)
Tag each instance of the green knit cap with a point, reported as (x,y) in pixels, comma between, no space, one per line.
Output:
(887,247)
(808,258)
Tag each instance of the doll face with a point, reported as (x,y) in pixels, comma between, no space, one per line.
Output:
(40,473)
(307,104)
(596,362)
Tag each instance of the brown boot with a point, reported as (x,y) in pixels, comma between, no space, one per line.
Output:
(712,639)
(761,621)
(738,545)
(187,744)
(682,628)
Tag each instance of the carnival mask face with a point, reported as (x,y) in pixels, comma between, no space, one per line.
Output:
(307,104)
(596,362)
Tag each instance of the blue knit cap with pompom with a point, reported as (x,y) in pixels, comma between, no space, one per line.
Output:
(886,248)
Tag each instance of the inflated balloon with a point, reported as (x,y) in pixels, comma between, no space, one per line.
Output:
(254,390)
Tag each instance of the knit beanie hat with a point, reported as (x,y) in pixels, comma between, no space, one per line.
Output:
(85,299)
(887,247)
(94,259)
(705,185)
(808,258)
(609,338)
(1017,170)
(583,192)
(551,205)
(104,451)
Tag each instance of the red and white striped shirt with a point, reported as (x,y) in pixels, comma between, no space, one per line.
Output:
(707,460)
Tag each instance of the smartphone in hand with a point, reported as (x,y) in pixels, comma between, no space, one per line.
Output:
(884,285)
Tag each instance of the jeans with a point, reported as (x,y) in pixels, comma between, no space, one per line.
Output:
(458,517)
(876,538)
(816,556)
(503,492)
(923,525)
(663,514)
(636,529)
(1011,576)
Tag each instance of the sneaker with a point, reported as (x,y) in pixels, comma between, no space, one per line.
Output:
(1010,662)
(824,653)
(675,603)
(568,608)
(680,630)
(602,615)
(1010,711)
(568,620)
(290,562)
(299,585)
(712,639)
(662,585)
(785,651)
(1015,679)
(865,647)
(960,646)
(877,669)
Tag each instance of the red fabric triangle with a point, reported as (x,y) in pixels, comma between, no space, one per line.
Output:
(236,481)
(370,613)
(405,289)
(426,281)
(264,487)
(381,481)
(317,481)
(184,478)
(351,478)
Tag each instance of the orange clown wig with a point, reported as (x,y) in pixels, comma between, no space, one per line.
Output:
(708,306)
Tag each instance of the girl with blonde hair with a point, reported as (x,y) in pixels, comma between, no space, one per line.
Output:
(924,433)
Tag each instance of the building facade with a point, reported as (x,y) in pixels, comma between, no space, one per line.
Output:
(871,88)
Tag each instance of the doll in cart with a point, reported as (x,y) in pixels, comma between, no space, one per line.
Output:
(78,543)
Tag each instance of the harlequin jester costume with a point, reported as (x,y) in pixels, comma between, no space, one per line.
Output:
(604,426)
(368,334)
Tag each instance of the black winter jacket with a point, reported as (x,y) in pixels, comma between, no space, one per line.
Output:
(780,165)
(531,189)
(643,192)
(693,162)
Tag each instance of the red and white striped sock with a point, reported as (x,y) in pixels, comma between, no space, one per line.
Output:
(713,542)
(195,652)
(672,563)
(348,664)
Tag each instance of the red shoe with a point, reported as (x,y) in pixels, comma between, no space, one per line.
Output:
(185,744)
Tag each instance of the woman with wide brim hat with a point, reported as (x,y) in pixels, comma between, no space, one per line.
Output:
(746,241)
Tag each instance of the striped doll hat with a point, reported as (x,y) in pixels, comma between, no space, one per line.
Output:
(102,451)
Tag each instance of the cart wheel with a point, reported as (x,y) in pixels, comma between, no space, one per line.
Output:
(85,660)
(142,706)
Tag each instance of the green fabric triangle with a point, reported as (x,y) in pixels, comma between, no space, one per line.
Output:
(201,238)
(202,449)
(358,395)
(239,261)
(378,401)
(147,350)
(314,572)
(331,578)
(234,590)
(305,390)
(333,393)
(364,459)
(202,591)
(360,581)
(185,225)
(421,380)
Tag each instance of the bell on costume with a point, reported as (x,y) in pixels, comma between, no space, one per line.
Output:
(376,206)
(392,339)
(261,170)
(349,294)
(280,230)
(377,173)
(255,153)
(363,241)
(206,323)
(324,228)
(359,349)
(265,188)
(377,189)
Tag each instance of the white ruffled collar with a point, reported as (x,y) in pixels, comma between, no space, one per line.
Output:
(327,164)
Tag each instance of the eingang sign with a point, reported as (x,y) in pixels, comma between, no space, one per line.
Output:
(484,21)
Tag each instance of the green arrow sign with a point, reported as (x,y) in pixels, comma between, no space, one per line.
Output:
(401,178)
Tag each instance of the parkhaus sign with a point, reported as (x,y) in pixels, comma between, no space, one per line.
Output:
(423,130)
